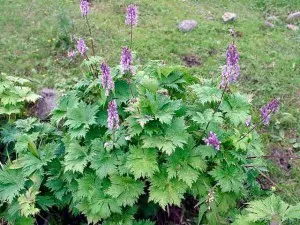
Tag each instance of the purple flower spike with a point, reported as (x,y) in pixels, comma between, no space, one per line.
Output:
(107,81)
(212,140)
(113,116)
(126,61)
(132,15)
(248,121)
(81,47)
(231,70)
(84,7)
(268,109)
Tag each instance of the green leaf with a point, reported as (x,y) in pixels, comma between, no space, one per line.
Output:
(229,178)
(175,136)
(166,191)
(27,203)
(80,118)
(268,209)
(92,200)
(142,162)
(207,94)
(186,164)
(206,151)
(11,183)
(104,163)
(76,157)
(125,189)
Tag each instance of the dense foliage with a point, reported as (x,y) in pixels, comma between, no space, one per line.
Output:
(157,155)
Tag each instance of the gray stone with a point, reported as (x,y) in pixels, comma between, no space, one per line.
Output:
(46,103)
(187,25)
(292,27)
(294,16)
(229,16)
(269,24)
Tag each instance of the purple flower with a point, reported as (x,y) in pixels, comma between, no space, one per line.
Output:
(212,140)
(72,54)
(231,70)
(268,109)
(84,7)
(248,121)
(113,116)
(126,61)
(81,47)
(107,81)
(132,15)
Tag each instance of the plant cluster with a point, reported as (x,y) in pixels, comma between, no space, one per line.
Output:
(125,145)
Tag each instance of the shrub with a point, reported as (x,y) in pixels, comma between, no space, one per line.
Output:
(157,154)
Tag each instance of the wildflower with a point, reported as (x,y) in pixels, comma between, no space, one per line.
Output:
(81,47)
(132,15)
(212,140)
(72,54)
(113,116)
(268,109)
(107,81)
(126,61)
(231,70)
(248,121)
(84,7)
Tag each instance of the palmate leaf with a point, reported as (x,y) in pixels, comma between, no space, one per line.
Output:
(11,183)
(175,136)
(91,199)
(207,94)
(65,102)
(125,189)
(160,107)
(104,163)
(229,178)
(26,94)
(236,107)
(166,191)
(76,157)
(142,162)
(267,209)
(80,118)
(186,164)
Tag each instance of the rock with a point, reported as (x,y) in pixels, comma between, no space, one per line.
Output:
(228,16)
(46,103)
(269,24)
(294,16)
(187,25)
(292,27)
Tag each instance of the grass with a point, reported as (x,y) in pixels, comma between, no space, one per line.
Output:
(36,36)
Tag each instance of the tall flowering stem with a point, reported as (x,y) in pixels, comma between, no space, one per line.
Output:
(113,116)
(131,19)
(107,81)
(84,7)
